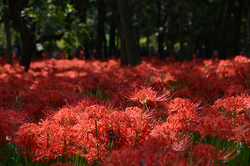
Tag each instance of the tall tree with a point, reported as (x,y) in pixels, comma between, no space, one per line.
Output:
(248,30)
(238,14)
(81,7)
(160,37)
(28,44)
(100,29)
(112,33)
(132,52)
(191,31)
(181,15)
(38,22)
(7,31)
(225,29)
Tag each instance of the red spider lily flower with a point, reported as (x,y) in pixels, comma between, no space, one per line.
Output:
(156,151)
(67,117)
(95,112)
(50,141)
(242,134)
(183,114)
(214,126)
(62,164)
(235,108)
(27,139)
(124,157)
(140,124)
(145,95)
(9,122)
(204,154)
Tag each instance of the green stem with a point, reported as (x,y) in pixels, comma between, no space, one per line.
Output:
(97,146)
(216,150)
(245,153)
(65,144)
(143,109)
(110,151)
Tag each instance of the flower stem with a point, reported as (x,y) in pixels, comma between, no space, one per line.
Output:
(97,146)
(143,109)
(216,151)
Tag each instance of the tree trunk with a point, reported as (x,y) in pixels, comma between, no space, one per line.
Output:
(248,31)
(7,32)
(106,55)
(181,53)
(191,33)
(160,37)
(236,48)
(128,32)
(112,35)
(225,28)
(81,6)
(123,52)
(100,29)
(28,44)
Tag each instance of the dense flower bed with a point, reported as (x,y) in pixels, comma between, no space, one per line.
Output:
(158,113)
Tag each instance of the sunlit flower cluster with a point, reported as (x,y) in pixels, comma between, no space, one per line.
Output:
(157,113)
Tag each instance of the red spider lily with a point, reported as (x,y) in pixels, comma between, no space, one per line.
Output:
(139,124)
(6,97)
(205,154)
(183,114)
(27,138)
(157,150)
(8,125)
(95,112)
(67,117)
(62,164)
(145,95)
(124,157)
(214,126)
(242,134)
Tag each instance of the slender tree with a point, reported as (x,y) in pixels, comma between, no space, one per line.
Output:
(7,31)
(238,15)
(28,44)
(225,29)
(100,29)
(128,32)
(248,30)
(191,31)
(81,7)
(181,15)
(112,33)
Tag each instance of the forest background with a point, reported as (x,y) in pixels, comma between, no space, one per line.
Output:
(125,29)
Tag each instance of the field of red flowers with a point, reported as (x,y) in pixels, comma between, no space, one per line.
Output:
(77,112)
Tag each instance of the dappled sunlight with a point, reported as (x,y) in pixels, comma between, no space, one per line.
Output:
(159,111)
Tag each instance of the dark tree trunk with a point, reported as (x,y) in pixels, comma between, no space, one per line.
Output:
(191,33)
(106,55)
(7,32)
(160,37)
(211,39)
(100,29)
(28,44)
(128,32)
(86,48)
(148,42)
(236,48)
(112,35)
(123,52)
(160,40)
(225,29)
(181,53)
(248,31)
(81,7)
